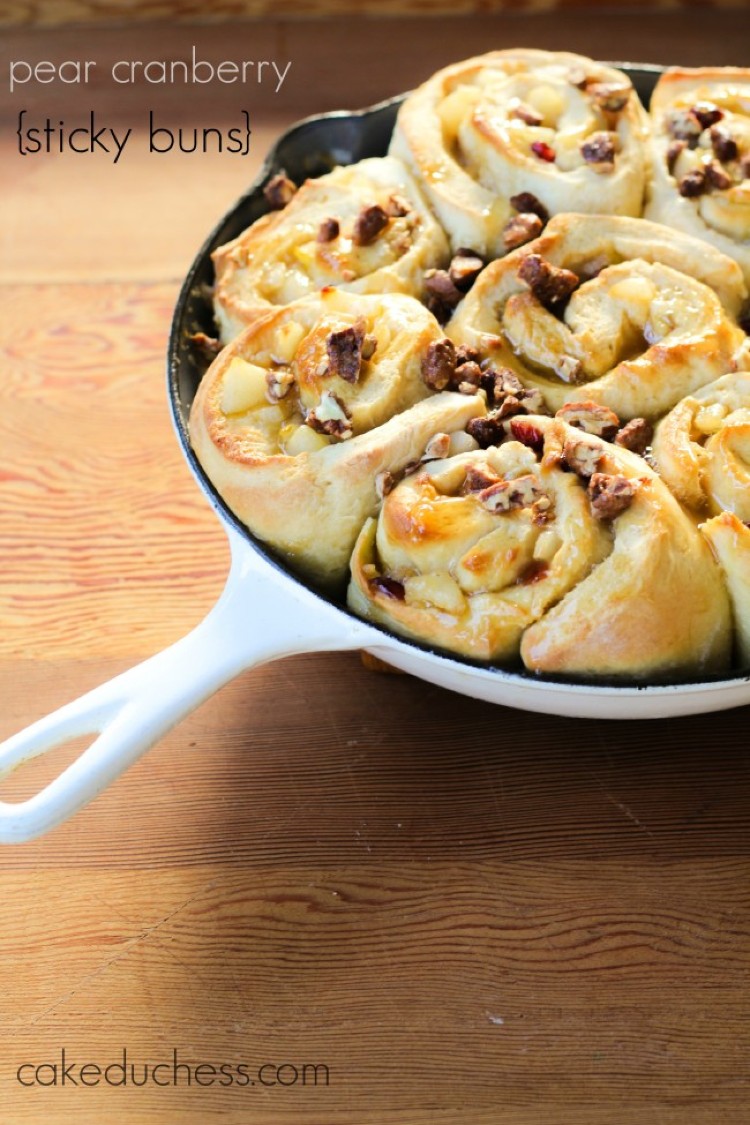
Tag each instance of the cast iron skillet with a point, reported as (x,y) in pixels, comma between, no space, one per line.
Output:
(265,611)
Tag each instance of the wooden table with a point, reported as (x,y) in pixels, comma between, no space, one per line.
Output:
(467,914)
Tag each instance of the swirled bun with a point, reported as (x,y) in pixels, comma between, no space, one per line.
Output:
(295,421)
(730,541)
(700,180)
(566,130)
(561,548)
(364,228)
(620,311)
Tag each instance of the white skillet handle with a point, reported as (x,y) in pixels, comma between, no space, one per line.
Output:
(260,616)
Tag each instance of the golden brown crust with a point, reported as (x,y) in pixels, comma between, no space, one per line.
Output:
(481,131)
(655,319)
(729,538)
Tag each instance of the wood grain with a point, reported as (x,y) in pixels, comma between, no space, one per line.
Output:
(472,915)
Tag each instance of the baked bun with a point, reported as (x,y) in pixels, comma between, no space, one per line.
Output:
(616,310)
(702,450)
(559,547)
(364,228)
(568,132)
(700,181)
(296,420)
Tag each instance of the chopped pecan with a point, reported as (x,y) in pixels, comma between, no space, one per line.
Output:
(683,125)
(486,431)
(707,113)
(439,364)
(441,286)
(723,143)
(543,151)
(279,191)
(582,457)
(390,587)
(330,417)
(369,346)
(469,373)
(507,495)
(370,222)
(577,76)
(674,149)
(609,495)
(328,230)
(599,152)
(693,183)
(464,269)
(523,112)
(437,447)
(551,286)
(344,350)
(609,96)
(527,203)
(528,434)
(591,417)
(569,369)
(384,483)
(279,381)
(477,479)
(521,229)
(635,436)
(466,353)
(716,177)
(397,206)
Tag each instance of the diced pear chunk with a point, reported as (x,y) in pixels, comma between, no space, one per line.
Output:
(438,589)
(301,439)
(287,339)
(243,387)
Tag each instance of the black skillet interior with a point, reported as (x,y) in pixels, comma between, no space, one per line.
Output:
(310,148)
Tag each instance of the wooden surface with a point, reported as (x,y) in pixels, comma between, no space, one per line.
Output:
(468,914)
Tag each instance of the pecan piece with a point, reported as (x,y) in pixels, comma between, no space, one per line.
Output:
(723,143)
(278,383)
(599,152)
(507,495)
(469,374)
(635,436)
(609,495)
(527,203)
(543,151)
(437,447)
(707,113)
(477,479)
(279,191)
(683,125)
(486,431)
(591,417)
(523,112)
(397,207)
(693,184)
(330,417)
(521,229)
(716,177)
(608,96)
(466,353)
(582,457)
(344,350)
(442,289)
(370,222)
(551,286)
(464,269)
(439,364)
(328,230)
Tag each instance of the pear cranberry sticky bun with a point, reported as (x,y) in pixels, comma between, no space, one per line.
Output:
(702,450)
(365,228)
(300,422)
(701,157)
(505,139)
(617,310)
(558,546)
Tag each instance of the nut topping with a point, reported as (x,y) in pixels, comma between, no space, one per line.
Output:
(476,480)
(368,225)
(723,143)
(610,495)
(523,112)
(683,125)
(486,431)
(442,291)
(521,229)
(279,191)
(507,495)
(464,269)
(599,152)
(716,177)
(582,457)
(608,96)
(437,447)
(527,203)
(328,230)
(344,350)
(439,364)
(693,184)
(707,113)
(635,436)
(397,207)
(330,417)
(551,286)
(278,383)
(590,417)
